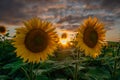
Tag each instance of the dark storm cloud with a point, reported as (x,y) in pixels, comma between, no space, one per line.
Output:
(15,11)
(73,18)
(70,27)
(11,10)
(68,14)
(69,19)
(10,5)
(111,4)
(106,10)
(60,11)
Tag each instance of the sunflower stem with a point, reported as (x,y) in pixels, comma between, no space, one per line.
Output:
(26,74)
(38,67)
(76,67)
(114,70)
(116,53)
(31,71)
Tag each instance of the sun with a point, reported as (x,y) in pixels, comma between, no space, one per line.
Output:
(91,37)
(35,41)
(63,41)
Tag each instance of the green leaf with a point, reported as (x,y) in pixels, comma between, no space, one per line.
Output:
(98,73)
(42,77)
(14,66)
(4,77)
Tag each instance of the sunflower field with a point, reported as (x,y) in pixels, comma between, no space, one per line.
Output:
(37,52)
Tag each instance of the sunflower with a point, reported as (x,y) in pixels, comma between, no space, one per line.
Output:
(64,40)
(2,30)
(91,37)
(64,35)
(35,41)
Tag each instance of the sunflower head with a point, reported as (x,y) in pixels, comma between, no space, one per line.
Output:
(64,41)
(64,35)
(2,29)
(36,40)
(91,37)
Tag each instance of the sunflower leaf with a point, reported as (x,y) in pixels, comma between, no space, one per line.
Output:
(14,66)
(4,77)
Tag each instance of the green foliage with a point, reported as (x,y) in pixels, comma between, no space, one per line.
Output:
(105,67)
(9,63)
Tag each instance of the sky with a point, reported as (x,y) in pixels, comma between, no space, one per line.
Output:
(66,15)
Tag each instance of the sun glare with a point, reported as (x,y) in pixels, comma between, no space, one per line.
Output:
(64,41)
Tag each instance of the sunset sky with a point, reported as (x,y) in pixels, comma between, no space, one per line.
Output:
(66,15)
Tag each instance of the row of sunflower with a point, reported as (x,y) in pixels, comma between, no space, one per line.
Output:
(37,40)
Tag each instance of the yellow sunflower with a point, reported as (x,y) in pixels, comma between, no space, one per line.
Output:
(2,30)
(35,41)
(64,40)
(91,37)
(64,35)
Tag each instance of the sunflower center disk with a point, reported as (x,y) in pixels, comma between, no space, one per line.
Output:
(2,29)
(36,40)
(64,35)
(90,37)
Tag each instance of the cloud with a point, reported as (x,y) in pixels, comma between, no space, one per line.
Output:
(15,11)
(71,19)
(10,10)
(69,14)
(72,11)
(71,22)
(111,4)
